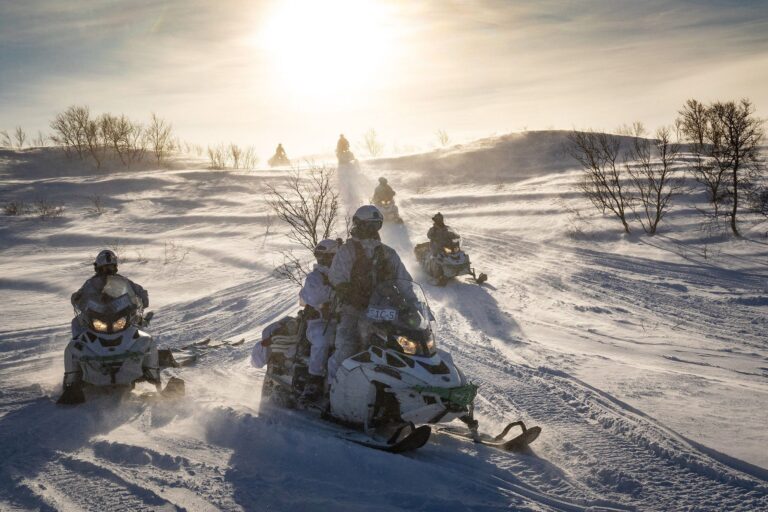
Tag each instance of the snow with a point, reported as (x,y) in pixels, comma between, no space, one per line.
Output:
(644,359)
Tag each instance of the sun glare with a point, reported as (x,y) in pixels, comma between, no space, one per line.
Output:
(330,51)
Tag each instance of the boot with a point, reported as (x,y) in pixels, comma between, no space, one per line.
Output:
(313,389)
(73,394)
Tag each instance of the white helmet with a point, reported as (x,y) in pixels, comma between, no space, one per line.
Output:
(104,259)
(325,251)
(368,214)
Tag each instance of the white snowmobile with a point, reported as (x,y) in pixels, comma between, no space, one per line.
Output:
(113,350)
(392,392)
(449,263)
(389,210)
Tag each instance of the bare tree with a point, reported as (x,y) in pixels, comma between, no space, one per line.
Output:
(308,203)
(655,177)
(217,156)
(159,137)
(69,130)
(115,132)
(603,183)
(5,139)
(725,137)
(372,144)
(20,137)
(39,141)
(442,137)
(93,140)
(636,129)
(743,133)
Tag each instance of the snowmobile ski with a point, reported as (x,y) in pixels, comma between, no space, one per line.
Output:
(188,354)
(414,440)
(516,444)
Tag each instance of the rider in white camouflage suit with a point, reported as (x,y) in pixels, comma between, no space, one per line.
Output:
(316,296)
(361,263)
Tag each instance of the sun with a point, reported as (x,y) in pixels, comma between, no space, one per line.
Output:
(327,50)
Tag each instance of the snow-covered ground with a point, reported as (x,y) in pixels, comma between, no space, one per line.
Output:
(644,359)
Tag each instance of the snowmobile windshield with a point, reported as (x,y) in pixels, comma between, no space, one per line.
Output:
(401,306)
(452,243)
(116,307)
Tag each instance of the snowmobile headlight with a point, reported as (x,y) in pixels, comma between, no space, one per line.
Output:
(448,250)
(120,324)
(408,346)
(431,345)
(99,325)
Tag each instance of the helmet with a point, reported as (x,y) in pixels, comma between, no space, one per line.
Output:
(367,218)
(104,260)
(438,218)
(383,181)
(341,135)
(325,251)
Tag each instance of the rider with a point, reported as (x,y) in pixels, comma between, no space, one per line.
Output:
(342,146)
(280,152)
(316,295)
(439,234)
(361,263)
(104,266)
(383,192)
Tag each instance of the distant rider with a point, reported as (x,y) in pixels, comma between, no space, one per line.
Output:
(439,235)
(316,296)
(104,266)
(383,193)
(280,152)
(360,264)
(342,146)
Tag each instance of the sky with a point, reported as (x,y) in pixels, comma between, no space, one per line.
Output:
(302,71)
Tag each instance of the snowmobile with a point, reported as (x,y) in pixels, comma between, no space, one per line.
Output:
(389,210)
(346,157)
(278,160)
(392,393)
(449,263)
(113,350)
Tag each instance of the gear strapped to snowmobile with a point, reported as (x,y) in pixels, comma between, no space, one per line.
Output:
(112,350)
(448,261)
(393,391)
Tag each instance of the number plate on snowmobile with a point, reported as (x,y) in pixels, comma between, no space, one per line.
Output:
(381,315)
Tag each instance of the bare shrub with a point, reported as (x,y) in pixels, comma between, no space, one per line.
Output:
(14,208)
(116,134)
(235,155)
(636,129)
(655,177)
(372,143)
(5,139)
(48,210)
(217,157)
(159,137)
(97,205)
(292,269)
(602,181)
(442,137)
(19,137)
(250,160)
(40,140)
(308,203)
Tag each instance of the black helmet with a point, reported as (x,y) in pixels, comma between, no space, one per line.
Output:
(106,262)
(383,181)
(438,218)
